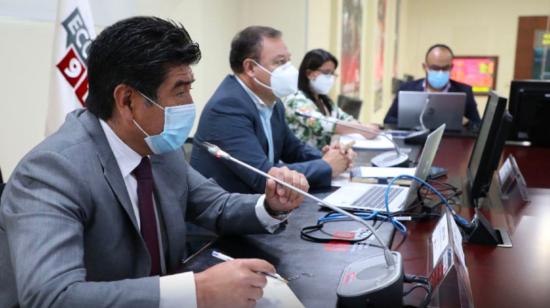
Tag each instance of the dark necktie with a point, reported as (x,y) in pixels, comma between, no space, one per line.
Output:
(148,222)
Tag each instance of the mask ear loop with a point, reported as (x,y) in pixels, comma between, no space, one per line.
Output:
(139,127)
(261,66)
(265,70)
(152,102)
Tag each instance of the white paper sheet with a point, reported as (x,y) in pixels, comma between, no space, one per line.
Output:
(380,172)
(278,294)
(378,143)
(440,239)
(341,180)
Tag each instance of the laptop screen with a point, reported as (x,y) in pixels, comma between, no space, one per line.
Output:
(434,109)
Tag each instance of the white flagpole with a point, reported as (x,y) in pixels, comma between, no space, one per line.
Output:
(74,31)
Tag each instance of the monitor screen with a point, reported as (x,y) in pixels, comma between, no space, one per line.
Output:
(480,72)
(530,107)
(488,146)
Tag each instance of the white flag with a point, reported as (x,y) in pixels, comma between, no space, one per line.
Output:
(74,31)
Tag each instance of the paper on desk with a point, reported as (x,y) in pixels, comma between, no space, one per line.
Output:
(378,143)
(382,172)
(440,239)
(341,180)
(278,294)
(457,241)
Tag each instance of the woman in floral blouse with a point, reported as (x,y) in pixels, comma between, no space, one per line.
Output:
(314,82)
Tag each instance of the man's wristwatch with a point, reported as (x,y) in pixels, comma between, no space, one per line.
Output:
(275,214)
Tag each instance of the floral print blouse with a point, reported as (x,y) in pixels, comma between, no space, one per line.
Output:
(314,132)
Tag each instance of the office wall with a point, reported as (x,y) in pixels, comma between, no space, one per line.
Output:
(27,42)
(25,57)
(470,27)
(320,30)
(289,16)
(324,31)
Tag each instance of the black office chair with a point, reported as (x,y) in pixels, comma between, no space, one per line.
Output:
(197,236)
(396,82)
(350,105)
(2,184)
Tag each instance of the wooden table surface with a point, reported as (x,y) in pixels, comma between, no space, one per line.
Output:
(500,277)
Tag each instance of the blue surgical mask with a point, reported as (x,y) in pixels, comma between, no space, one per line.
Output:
(438,79)
(178,121)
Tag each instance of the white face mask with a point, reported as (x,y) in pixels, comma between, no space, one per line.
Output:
(284,79)
(322,83)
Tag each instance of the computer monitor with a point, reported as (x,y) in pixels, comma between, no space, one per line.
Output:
(488,146)
(480,72)
(530,107)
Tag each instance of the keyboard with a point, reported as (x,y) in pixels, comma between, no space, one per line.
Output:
(374,197)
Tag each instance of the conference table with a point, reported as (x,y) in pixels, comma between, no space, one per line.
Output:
(499,277)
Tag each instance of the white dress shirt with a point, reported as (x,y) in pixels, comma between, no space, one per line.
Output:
(175,290)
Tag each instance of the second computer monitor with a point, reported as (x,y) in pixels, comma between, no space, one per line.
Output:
(488,146)
(530,107)
(418,109)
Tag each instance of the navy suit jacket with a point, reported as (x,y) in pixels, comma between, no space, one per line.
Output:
(231,120)
(470,111)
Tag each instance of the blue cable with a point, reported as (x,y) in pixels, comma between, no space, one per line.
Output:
(366,216)
(388,216)
(461,220)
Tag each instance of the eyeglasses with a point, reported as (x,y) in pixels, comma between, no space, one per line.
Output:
(440,68)
(326,72)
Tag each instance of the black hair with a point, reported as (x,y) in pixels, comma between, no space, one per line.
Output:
(438,46)
(313,60)
(247,44)
(138,52)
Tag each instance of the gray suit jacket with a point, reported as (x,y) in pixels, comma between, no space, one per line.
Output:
(68,234)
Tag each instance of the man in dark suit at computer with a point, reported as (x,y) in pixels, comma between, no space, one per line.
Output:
(438,65)
(246,118)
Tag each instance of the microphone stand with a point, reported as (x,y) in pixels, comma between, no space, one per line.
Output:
(377,281)
(217,152)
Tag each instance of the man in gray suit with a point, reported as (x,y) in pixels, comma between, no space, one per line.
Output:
(95,215)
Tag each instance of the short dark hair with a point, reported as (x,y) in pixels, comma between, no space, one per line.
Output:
(438,46)
(247,44)
(137,51)
(312,61)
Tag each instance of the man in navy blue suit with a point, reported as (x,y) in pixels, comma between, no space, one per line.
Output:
(438,65)
(246,118)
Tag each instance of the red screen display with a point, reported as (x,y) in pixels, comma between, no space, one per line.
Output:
(478,72)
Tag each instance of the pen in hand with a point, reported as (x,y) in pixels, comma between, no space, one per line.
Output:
(224,257)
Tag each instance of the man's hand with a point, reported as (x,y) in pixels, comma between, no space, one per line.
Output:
(340,157)
(236,283)
(280,198)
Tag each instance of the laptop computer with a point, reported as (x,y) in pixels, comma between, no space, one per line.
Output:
(443,108)
(361,196)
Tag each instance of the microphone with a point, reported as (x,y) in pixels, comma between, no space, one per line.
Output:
(419,137)
(371,276)
(386,159)
(422,114)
